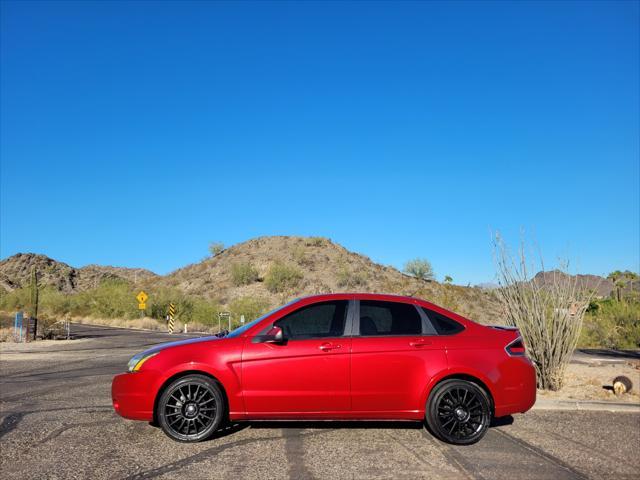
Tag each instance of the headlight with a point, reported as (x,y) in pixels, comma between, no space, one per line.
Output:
(137,360)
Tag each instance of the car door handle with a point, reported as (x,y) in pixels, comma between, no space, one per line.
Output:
(325,347)
(419,343)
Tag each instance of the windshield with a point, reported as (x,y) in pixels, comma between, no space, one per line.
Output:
(240,330)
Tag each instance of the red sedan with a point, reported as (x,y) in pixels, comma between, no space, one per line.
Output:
(338,357)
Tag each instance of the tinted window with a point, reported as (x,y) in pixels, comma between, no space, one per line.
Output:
(315,321)
(389,318)
(443,325)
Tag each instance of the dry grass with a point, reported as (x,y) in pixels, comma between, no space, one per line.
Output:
(144,323)
(6,335)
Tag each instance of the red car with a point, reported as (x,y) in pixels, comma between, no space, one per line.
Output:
(337,357)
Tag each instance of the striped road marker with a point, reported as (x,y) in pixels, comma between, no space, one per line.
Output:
(172,313)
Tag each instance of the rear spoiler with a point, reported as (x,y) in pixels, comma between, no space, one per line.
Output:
(502,327)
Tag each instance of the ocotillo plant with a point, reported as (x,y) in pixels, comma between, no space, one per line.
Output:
(548,314)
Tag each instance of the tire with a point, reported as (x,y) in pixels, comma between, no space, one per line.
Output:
(458,412)
(191,408)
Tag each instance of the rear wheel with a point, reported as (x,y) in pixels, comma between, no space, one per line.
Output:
(191,408)
(458,412)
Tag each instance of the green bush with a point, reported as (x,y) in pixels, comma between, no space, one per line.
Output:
(243,273)
(609,323)
(282,277)
(250,307)
(419,268)
(216,248)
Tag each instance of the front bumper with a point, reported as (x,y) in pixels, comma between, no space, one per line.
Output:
(133,396)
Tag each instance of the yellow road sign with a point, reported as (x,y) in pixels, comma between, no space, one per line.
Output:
(142,297)
(142,306)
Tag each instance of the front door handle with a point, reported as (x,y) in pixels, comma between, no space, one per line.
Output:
(419,343)
(326,347)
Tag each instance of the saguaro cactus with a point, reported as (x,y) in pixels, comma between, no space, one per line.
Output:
(34,300)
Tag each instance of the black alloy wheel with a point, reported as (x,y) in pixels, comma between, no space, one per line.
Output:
(191,408)
(458,412)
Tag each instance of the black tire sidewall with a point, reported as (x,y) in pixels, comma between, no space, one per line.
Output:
(194,380)
(432,412)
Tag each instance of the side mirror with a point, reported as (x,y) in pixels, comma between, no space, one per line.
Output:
(275,335)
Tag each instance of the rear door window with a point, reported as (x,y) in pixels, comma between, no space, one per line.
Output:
(443,324)
(389,318)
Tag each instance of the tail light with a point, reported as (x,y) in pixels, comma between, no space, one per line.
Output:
(516,348)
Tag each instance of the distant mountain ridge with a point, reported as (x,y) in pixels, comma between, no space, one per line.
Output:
(15,272)
(322,266)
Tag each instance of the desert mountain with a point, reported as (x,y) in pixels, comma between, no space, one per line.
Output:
(319,264)
(15,272)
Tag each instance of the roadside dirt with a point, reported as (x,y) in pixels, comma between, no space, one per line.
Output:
(593,381)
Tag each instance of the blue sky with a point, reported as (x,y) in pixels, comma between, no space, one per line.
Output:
(133,133)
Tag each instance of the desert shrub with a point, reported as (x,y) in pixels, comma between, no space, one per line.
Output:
(347,278)
(548,315)
(113,298)
(243,273)
(315,241)
(282,277)
(216,248)
(250,307)
(419,268)
(15,300)
(609,323)
(299,254)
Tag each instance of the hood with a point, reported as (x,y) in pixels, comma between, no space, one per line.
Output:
(180,343)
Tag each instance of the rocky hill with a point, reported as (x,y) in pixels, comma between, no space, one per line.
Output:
(318,265)
(15,272)
(602,287)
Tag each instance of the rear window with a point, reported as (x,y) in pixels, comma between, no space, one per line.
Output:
(443,325)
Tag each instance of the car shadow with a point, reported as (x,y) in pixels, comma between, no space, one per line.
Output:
(235,427)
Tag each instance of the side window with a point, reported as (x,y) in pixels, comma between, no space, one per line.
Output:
(443,325)
(389,318)
(319,320)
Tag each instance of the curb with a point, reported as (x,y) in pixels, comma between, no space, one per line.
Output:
(586,405)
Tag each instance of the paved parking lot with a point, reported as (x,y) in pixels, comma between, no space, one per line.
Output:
(57,422)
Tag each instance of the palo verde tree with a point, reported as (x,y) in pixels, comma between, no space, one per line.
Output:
(548,311)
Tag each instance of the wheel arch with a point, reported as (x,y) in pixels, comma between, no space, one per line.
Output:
(185,373)
(477,379)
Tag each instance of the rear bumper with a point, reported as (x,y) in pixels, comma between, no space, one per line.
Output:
(132,395)
(518,388)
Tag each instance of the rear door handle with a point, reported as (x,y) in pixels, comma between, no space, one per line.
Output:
(326,347)
(419,343)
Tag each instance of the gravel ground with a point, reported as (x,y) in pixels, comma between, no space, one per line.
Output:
(57,422)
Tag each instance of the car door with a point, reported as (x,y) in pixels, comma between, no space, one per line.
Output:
(394,353)
(308,372)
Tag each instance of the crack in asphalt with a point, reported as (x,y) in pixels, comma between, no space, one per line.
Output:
(585,447)
(294,452)
(543,455)
(466,468)
(56,433)
(206,454)
(410,451)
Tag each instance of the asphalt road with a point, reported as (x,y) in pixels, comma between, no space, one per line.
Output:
(57,422)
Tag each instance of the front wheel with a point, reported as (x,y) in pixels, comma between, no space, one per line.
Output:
(458,412)
(191,408)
